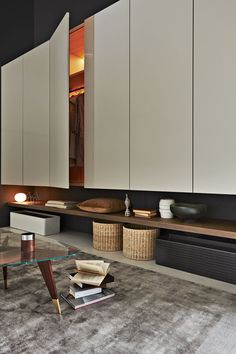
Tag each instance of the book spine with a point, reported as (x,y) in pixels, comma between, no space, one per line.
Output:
(83,293)
(144,215)
(86,303)
(144,211)
(94,301)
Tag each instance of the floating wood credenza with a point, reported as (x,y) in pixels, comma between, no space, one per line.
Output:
(212,227)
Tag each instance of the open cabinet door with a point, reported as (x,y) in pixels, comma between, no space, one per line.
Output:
(106,162)
(59,105)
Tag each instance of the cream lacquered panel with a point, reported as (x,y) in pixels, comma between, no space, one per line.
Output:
(59,105)
(36,116)
(161,95)
(215,97)
(12,122)
(107,98)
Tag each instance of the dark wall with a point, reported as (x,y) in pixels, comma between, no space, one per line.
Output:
(48,14)
(219,206)
(16,38)
(16,28)
(7,194)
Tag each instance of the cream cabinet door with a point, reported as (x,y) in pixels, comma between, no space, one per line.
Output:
(161,95)
(107,98)
(36,116)
(215,97)
(12,122)
(59,105)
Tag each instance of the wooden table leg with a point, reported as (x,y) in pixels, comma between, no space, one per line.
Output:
(4,270)
(46,270)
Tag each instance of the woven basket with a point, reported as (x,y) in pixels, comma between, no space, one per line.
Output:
(139,242)
(107,237)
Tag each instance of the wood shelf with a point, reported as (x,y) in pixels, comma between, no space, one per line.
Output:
(77,80)
(212,227)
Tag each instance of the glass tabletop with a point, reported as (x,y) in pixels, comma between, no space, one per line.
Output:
(12,253)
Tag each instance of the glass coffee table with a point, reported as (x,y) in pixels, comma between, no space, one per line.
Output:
(46,250)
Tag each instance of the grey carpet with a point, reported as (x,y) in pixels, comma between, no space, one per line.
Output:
(221,338)
(151,313)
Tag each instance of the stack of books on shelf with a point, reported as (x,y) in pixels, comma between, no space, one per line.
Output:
(62,204)
(88,284)
(145,213)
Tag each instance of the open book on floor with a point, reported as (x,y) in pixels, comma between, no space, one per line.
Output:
(90,272)
(87,300)
(108,279)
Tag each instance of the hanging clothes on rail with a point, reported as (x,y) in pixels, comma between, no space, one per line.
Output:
(76,140)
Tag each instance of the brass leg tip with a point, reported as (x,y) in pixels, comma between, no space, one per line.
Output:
(57,305)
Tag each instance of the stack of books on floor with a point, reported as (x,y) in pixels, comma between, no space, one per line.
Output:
(88,284)
(145,213)
(62,204)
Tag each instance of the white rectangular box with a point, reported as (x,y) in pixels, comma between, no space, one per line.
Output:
(39,223)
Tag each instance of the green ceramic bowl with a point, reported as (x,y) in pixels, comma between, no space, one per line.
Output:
(187,211)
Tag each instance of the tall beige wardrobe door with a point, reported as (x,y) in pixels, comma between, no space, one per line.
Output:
(107,98)
(215,97)
(36,116)
(161,95)
(59,105)
(12,122)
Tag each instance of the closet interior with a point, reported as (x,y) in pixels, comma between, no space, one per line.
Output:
(76,107)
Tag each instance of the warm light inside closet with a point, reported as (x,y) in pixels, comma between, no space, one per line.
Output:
(76,139)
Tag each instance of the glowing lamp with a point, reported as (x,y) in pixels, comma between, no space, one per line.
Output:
(20,197)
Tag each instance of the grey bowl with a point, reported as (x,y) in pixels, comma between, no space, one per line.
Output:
(187,211)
